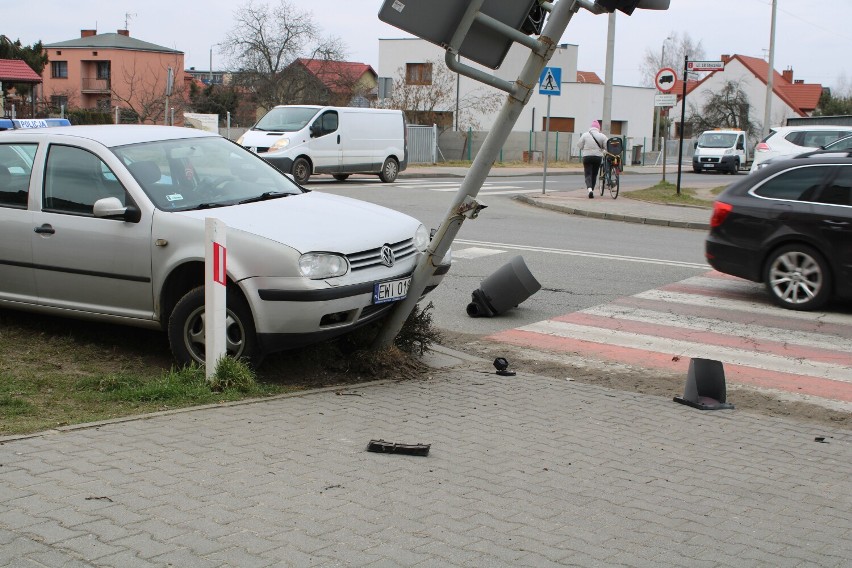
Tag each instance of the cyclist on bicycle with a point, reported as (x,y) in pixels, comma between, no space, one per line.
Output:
(591,145)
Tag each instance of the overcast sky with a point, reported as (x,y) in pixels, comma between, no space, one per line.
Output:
(813,37)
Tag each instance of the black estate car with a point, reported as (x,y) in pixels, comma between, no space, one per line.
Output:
(789,226)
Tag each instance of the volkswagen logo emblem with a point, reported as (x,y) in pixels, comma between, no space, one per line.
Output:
(387,256)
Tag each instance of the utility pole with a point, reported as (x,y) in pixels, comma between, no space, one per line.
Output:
(657,109)
(767,110)
(610,56)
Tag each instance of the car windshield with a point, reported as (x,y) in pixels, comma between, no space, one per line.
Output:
(286,119)
(717,140)
(198,173)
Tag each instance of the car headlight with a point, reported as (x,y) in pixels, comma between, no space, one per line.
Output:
(421,238)
(319,265)
(240,139)
(281,143)
(729,151)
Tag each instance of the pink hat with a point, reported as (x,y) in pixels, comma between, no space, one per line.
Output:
(596,124)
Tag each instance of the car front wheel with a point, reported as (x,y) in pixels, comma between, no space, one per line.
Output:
(187,329)
(301,170)
(797,277)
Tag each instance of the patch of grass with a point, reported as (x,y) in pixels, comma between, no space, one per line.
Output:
(665,192)
(15,406)
(56,372)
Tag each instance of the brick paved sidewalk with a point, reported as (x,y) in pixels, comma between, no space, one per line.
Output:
(523,471)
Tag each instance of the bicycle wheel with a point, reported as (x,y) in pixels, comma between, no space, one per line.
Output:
(603,176)
(614,182)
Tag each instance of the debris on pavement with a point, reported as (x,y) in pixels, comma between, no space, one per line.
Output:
(380,446)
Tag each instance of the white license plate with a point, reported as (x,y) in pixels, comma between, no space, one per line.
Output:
(709,165)
(390,291)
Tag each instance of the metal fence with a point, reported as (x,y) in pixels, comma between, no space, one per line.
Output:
(422,144)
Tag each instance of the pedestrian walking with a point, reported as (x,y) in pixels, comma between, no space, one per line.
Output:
(591,145)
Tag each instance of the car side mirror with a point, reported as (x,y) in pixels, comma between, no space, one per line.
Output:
(315,130)
(740,146)
(111,208)
(695,143)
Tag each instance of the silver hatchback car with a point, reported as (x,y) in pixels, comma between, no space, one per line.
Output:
(107,223)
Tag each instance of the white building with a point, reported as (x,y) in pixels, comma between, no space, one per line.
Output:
(580,101)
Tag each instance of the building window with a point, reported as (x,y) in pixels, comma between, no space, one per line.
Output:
(57,101)
(418,73)
(59,69)
(103,69)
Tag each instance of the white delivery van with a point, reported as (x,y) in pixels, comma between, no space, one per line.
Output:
(721,151)
(304,139)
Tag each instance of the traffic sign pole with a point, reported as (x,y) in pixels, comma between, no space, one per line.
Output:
(549,83)
(682,121)
(546,140)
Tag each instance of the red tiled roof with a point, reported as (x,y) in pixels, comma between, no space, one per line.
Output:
(678,87)
(336,74)
(801,97)
(17,70)
(589,77)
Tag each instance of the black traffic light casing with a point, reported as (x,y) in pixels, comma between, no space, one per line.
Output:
(627,6)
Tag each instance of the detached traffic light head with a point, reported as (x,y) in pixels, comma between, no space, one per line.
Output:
(627,6)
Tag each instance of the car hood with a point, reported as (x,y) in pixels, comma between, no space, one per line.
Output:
(313,221)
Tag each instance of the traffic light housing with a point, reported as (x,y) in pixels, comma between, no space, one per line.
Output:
(627,6)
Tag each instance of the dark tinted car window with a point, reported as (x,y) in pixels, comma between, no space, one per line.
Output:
(794,138)
(798,184)
(839,190)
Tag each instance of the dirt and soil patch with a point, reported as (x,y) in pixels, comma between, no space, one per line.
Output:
(633,379)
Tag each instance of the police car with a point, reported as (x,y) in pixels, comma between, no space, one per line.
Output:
(22,123)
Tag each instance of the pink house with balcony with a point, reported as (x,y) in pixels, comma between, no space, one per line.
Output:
(113,70)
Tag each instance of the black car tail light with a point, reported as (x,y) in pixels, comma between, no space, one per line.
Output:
(720,212)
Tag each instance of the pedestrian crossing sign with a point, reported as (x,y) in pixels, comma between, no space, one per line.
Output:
(550,81)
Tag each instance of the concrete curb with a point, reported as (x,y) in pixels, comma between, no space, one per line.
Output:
(614,216)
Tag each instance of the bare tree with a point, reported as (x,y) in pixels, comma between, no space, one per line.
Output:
(143,91)
(725,108)
(432,100)
(676,47)
(264,42)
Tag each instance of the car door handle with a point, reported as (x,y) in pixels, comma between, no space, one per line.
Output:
(45,230)
(338,138)
(836,224)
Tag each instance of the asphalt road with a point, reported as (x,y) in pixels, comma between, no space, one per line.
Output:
(622,293)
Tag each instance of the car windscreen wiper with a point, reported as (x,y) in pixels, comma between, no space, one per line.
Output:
(211,205)
(266,195)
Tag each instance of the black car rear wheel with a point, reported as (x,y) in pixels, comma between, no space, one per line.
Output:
(798,278)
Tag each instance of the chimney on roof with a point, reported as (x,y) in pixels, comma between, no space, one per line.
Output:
(88,33)
(787,74)
(799,82)
(124,33)
(726,58)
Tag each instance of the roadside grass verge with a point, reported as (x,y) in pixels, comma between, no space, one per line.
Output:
(57,372)
(665,192)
